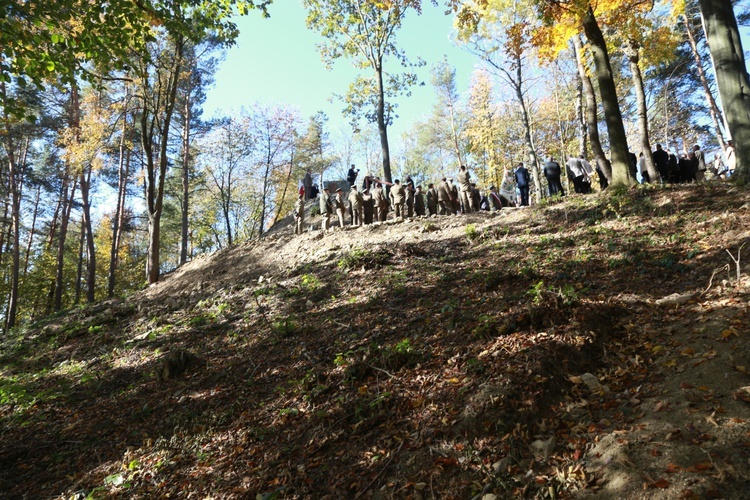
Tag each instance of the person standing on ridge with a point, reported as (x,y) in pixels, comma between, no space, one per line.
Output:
(326,209)
(299,214)
(351,176)
(398,198)
(552,172)
(522,181)
(432,199)
(464,180)
(338,202)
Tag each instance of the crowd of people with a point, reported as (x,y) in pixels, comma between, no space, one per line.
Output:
(377,198)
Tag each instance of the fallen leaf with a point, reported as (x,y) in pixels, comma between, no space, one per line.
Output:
(660,483)
(728,333)
(701,466)
(672,468)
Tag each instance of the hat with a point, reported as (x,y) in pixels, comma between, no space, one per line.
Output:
(338,189)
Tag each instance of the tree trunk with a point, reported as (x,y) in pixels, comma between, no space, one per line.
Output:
(591,113)
(79,271)
(581,119)
(160,120)
(382,125)
(632,52)
(185,180)
(618,141)
(713,109)
(59,274)
(286,185)
(725,45)
(86,221)
(32,230)
(123,174)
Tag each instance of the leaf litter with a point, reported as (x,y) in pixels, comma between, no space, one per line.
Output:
(537,359)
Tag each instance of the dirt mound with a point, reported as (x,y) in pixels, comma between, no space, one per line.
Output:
(589,347)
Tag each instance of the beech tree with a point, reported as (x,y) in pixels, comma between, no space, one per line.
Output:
(725,44)
(562,20)
(366,32)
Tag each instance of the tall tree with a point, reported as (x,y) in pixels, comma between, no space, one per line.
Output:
(728,57)
(273,130)
(713,108)
(501,37)
(366,31)
(592,119)
(226,154)
(199,69)
(562,20)
(157,79)
(447,108)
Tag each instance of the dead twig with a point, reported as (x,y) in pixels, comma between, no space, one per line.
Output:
(381,370)
(711,281)
(363,491)
(737,261)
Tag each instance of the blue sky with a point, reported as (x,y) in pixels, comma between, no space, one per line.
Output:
(276,61)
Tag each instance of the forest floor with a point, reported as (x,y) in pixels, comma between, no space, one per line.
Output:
(591,347)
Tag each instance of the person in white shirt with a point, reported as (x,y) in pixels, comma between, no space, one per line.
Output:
(576,173)
(731,162)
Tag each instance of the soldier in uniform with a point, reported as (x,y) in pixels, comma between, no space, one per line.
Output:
(398,198)
(409,188)
(419,202)
(465,183)
(356,204)
(299,214)
(368,206)
(326,209)
(476,197)
(381,203)
(432,199)
(338,202)
(444,197)
(455,200)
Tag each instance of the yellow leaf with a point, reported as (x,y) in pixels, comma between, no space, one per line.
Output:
(728,333)
(671,363)
(363,390)
(657,349)
(454,380)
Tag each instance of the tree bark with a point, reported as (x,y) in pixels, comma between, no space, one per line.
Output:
(156,173)
(32,230)
(90,248)
(79,271)
(591,113)
(581,118)
(382,125)
(62,237)
(185,179)
(713,108)
(725,46)
(123,174)
(618,141)
(632,52)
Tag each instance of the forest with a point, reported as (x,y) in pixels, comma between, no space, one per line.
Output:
(111,176)
(168,335)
